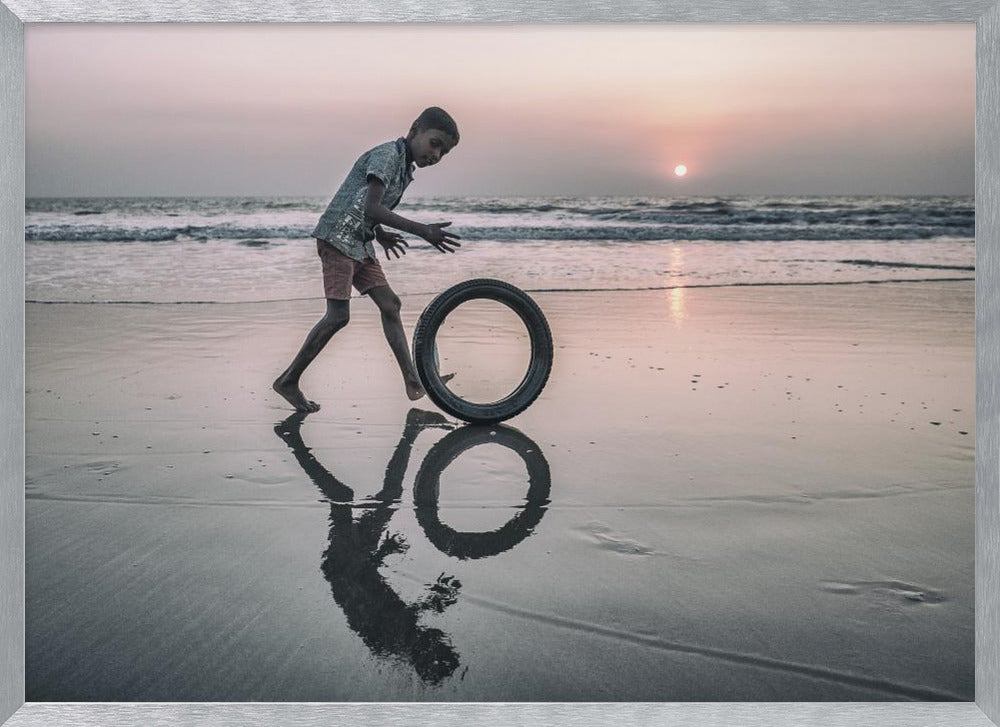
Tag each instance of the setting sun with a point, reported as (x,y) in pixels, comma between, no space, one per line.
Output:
(680,170)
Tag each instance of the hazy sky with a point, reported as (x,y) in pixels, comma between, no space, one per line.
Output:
(560,110)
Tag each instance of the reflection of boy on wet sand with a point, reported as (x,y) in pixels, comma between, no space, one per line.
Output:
(387,625)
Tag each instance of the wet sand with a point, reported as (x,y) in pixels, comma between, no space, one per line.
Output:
(760,493)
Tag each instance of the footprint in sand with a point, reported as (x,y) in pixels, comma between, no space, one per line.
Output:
(103,466)
(896,592)
(607,539)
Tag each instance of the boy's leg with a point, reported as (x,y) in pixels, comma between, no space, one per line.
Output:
(392,325)
(338,313)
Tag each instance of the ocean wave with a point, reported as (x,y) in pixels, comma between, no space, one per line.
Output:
(726,215)
(713,233)
(952,217)
(607,233)
(490,207)
(198,233)
(606,205)
(518,219)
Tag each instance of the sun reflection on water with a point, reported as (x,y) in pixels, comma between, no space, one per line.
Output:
(678,311)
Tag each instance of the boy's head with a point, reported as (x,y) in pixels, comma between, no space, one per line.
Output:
(431,136)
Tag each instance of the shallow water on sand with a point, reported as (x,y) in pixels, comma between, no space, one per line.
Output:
(727,494)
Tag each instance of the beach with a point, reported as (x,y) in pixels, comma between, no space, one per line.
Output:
(749,475)
(743,492)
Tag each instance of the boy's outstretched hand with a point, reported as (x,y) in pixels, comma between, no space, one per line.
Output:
(392,242)
(441,239)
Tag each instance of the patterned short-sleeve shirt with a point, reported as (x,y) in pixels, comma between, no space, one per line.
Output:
(344,224)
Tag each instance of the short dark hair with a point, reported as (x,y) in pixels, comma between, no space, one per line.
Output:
(436,118)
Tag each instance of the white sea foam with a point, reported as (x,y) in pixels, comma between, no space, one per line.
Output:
(241,249)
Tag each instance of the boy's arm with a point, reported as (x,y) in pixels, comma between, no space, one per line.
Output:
(379,214)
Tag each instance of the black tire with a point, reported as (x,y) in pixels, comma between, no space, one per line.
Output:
(427,491)
(425,350)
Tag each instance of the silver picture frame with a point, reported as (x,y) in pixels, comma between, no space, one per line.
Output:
(985,711)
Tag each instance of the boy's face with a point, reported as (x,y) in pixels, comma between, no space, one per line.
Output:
(429,145)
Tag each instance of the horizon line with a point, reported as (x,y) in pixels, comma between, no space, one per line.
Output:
(506,196)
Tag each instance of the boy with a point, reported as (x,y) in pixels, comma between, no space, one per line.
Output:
(359,213)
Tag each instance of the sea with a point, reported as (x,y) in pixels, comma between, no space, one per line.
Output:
(259,249)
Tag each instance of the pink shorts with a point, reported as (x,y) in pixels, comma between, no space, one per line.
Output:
(341,272)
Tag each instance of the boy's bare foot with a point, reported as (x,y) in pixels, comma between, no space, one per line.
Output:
(294,396)
(415,391)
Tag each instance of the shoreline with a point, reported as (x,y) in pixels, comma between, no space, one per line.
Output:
(638,289)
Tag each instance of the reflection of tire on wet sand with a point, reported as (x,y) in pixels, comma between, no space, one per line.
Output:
(427,487)
(425,356)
